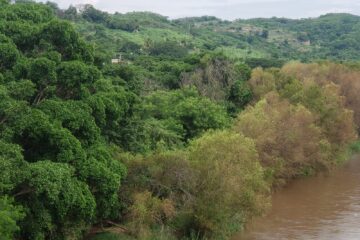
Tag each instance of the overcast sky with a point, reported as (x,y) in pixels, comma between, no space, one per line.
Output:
(225,9)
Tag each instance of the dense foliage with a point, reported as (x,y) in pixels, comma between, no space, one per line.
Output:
(58,172)
(181,138)
(299,123)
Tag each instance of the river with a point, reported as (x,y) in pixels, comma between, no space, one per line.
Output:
(325,207)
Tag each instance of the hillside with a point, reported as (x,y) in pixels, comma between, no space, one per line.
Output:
(332,36)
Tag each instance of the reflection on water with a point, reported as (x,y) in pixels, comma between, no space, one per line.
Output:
(323,207)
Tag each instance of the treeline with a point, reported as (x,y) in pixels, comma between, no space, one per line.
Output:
(168,147)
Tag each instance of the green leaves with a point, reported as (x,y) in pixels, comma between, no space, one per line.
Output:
(9,215)
(55,161)
(75,116)
(46,173)
(110,110)
(239,96)
(64,39)
(185,108)
(200,114)
(27,11)
(55,201)
(57,184)
(229,179)
(22,90)
(8,56)
(12,167)
(42,72)
(74,78)
(23,34)
(3,3)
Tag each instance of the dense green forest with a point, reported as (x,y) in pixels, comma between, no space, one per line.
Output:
(184,138)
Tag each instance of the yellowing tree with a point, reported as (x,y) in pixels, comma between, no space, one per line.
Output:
(326,73)
(287,139)
(261,82)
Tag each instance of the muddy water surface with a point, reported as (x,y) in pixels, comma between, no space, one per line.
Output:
(316,208)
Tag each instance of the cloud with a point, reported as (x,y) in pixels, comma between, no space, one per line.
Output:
(226,9)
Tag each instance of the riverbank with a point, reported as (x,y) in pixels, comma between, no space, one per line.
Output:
(299,124)
(318,207)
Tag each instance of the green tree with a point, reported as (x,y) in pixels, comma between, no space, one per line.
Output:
(196,114)
(70,13)
(239,96)
(230,180)
(59,202)
(42,72)
(65,40)
(74,79)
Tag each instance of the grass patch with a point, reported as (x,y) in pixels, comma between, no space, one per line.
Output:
(355,147)
(112,236)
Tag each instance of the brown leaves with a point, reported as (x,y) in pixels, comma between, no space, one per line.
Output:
(286,137)
(302,122)
(327,73)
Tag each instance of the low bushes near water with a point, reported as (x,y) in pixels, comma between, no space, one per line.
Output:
(218,182)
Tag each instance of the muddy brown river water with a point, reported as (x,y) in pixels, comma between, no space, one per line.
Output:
(315,208)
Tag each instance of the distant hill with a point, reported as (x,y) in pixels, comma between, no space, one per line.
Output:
(331,36)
